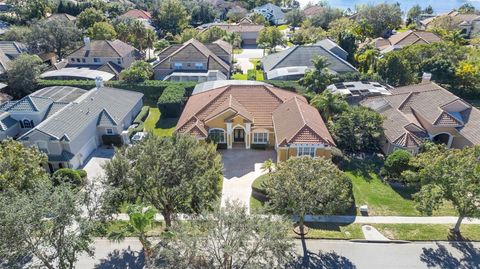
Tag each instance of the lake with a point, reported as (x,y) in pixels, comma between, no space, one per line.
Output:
(439,6)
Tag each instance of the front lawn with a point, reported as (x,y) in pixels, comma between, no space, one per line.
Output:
(427,232)
(159,126)
(332,231)
(239,76)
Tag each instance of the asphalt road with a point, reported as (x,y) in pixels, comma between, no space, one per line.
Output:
(324,254)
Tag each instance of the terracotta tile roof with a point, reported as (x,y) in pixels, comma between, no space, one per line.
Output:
(312,10)
(407,38)
(263,105)
(137,14)
(243,27)
(296,121)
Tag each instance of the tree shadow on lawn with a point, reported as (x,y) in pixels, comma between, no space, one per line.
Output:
(166,123)
(362,167)
(125,258)
(441,257)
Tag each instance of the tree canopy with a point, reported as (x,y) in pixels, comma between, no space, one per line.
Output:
(382,17)
(171,17)
(23,74)
(139,71)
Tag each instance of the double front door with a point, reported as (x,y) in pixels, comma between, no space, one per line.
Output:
(238,135)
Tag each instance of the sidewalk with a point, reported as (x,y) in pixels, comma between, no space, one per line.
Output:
(361,219)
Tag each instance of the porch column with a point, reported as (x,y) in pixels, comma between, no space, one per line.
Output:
(229,135)
(247,135)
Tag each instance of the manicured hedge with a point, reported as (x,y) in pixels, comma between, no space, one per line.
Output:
(289,85)
(67,175)
(222,146)
(171,101)
(251,74)
(140,120)
(152,89)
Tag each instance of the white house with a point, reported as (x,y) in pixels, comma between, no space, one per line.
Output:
(272,13)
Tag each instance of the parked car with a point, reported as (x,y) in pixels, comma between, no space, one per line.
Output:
(138,137)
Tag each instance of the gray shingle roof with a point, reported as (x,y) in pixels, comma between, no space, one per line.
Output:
(74,118)
(303,56)
(60,93)
(6,121)
(29,103)
(104,48)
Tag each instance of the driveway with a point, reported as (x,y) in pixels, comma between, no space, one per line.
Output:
(243,59)
(241,168)
(93,164)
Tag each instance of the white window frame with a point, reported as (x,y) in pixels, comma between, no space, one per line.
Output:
(222,137)
(109,131)
(307,151)
(199,66)
(260,138)
(178,66)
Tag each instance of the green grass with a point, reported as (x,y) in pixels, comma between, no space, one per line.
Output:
(256,206)
(423,232)
(159,126)
(282,27)
(239,76)
(332,231)
(237,51)
(115,225)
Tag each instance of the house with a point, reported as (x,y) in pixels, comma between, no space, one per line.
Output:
(469,23)
(292,63)
(194,61)
(248,30)
(20,116)
(106,56)
(256,116)
(403,39)
(100,116)
(9,50)
(422,112)
(140,15)
(355,91)
(62,16)
(272,13)
(312,10)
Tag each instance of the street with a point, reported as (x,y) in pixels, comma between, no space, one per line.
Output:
(334,254)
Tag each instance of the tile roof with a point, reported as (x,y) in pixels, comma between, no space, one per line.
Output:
(64,94)
(408,106)
(62,16)
(73,118)
(312,10)
(458,18)
(28,104)
(6,121)
(104,48)
(407,38)
(236,27)
(137,14)
(263,105)
(303,56)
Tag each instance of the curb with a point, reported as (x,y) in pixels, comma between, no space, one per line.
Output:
(380,241)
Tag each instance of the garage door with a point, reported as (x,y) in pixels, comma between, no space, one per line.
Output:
(88,149)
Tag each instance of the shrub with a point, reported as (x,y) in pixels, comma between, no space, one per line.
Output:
(142,116)
(139,71)
(171,101)
(222,146)
(259,146)
(396,163)
(67,175)
(259,184)
(82,173)
(115,140)
(251,74)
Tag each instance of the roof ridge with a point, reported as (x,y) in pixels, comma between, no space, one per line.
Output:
(292,49)
(110,43)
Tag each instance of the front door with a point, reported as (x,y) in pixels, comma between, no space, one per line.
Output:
(238,135)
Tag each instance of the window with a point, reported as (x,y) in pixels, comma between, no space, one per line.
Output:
(199,66)
(119,61)
(96,60)
(260,138)
(78,60)
(83,60)
(306,151)
(42,146)
(73,60)
(217,135)
(27,124)
(178,66)
(109,131)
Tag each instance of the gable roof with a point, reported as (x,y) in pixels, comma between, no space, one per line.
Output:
(137,14)
(427,102)
(406,38)
(458,18)
(262,105)
(201,48)
(303,56)
(62,16)
(98,105)
(104,48)
(28,104)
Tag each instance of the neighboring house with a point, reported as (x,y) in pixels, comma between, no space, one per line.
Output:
(31,110)
(257,116)
(355,91)
(73,132)
(62,16)
(292,63)
(97,55)
(140,15)
(245,27)
(9,50)
(312,10)
(403,39)
(194,61)
(272,13)
(468,23)
(422,112)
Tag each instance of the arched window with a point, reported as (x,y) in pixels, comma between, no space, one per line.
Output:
(217,135)
(441,139)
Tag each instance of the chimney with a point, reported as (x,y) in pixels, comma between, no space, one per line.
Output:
(86,40)
(426,77)
(99,82)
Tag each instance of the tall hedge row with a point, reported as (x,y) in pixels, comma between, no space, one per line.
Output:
(171,101)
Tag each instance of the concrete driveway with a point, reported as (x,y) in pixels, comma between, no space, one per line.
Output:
(93,165)
(243,59)
(241,168)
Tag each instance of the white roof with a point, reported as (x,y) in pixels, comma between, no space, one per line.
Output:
(82,73)
(209,85)
(359,88)
(287,71)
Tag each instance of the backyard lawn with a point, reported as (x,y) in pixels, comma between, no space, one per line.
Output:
(159,126)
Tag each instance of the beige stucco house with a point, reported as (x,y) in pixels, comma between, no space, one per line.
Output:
(257,116)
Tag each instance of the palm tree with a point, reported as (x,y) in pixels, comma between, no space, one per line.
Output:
(233,39)
(329,104)
(268,165)
(139,221)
